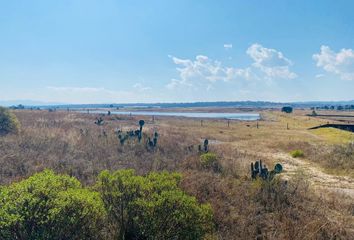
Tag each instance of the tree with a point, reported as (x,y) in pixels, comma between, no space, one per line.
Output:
(8,122)
(152,207)
(287,109)
(49,206)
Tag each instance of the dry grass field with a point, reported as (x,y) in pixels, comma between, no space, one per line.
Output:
(312,199)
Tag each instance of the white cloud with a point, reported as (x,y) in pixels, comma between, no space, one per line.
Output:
(175,83)
(140,87)
(340,63)
(271,62)
(227,46)
(198,70)
(244,73)
(319,75)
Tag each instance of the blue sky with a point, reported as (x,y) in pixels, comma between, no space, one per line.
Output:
(103,51)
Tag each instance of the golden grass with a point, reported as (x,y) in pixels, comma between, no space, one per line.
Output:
(333,135)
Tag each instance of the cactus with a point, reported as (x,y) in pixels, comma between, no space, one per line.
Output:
(122,138)
(150,143)
(135,133)
(99,121)
(258,170)
(156,135)
(206,147)
(141,124)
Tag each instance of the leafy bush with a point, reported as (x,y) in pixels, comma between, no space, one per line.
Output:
(8,122)
(210,161)
(297,154)
(49,206)
(152,207)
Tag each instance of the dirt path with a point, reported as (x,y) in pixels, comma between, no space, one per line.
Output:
(315,175)
(311,171)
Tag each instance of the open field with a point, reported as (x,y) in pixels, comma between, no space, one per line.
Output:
(316,202)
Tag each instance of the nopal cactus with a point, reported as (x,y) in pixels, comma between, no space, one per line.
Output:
(156,135)
(206,145)
(99,121)
(258,170)
(141,124)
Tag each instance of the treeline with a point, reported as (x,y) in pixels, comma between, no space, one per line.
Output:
(332,107)
(121,205)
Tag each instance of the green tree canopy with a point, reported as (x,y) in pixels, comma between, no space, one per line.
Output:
(287,109)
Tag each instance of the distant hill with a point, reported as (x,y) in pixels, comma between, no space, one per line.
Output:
(29,103)
(237,104)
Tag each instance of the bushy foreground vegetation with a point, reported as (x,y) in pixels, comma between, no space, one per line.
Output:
(49,206)
(152,207)
(125,206)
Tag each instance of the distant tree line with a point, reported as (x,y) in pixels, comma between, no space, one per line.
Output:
(332,107)
(20,106)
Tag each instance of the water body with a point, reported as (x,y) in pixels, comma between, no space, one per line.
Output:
(229,116)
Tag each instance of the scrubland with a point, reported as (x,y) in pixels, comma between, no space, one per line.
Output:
(290,207)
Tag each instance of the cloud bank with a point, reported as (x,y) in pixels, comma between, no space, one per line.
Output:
(268,64)
(340,63)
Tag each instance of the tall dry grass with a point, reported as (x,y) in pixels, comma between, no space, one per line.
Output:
(243,209)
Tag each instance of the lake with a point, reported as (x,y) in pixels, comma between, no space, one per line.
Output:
(229,116)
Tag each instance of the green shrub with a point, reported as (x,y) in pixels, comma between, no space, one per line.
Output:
(49,206)
(297,154)
(152,207)
(210,161)
(8,122)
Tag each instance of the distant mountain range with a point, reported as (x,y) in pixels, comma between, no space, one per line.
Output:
(239,104)
(28,103)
